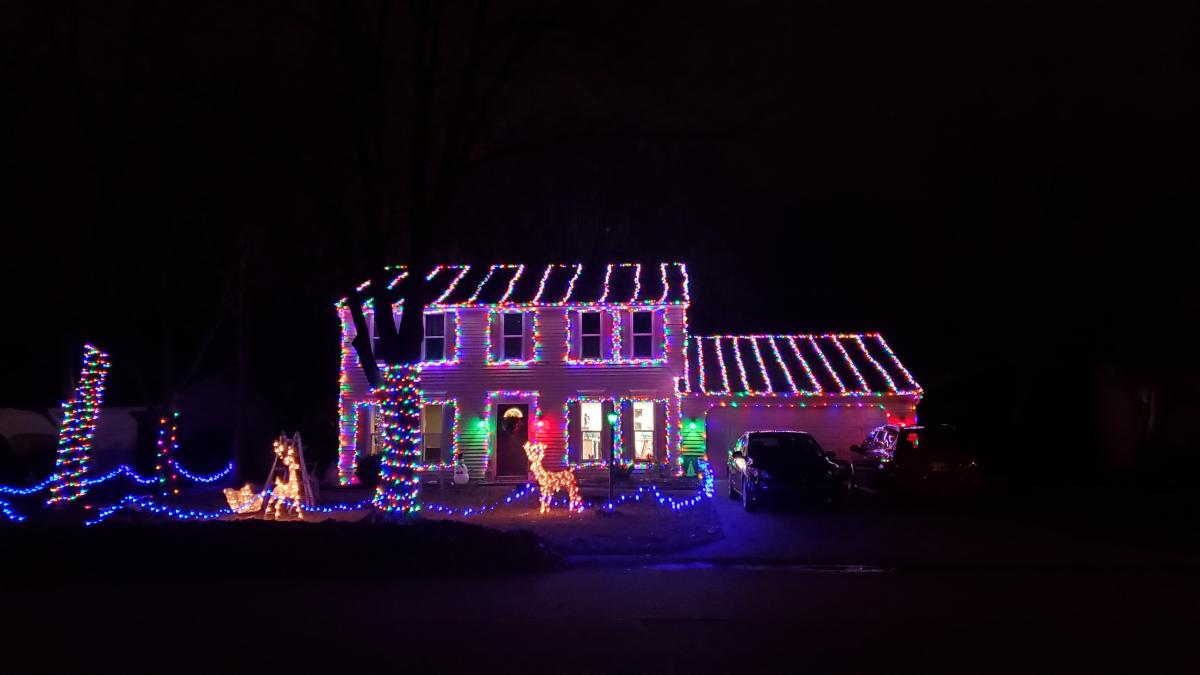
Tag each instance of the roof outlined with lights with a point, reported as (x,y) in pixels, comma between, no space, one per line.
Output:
(829,364)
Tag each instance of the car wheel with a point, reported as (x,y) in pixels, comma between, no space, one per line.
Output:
(748,502)
(732,493)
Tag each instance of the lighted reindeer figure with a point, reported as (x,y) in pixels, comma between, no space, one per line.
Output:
(550,482)
(286,496)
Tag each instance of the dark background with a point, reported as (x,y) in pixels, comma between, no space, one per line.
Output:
(1008,191)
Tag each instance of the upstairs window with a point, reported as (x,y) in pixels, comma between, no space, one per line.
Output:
(435,337)
(643,331)
(589,335)
(590,425)
(513,336)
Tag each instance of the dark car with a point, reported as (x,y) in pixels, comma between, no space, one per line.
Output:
(775,467)
(917,461)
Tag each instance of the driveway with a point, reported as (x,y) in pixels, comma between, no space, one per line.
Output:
(865,532)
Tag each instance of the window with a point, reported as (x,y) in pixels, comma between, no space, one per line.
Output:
(435,337)
(513,336)
(431,432)
(643,430)
(589,335)
(643,323)
(591,422)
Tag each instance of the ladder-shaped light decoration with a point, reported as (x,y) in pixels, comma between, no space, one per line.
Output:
(78,429)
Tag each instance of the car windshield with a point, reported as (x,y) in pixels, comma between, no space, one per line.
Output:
(780,451)
(927,440)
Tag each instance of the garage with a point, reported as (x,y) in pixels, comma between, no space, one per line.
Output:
(835,428)
(835,386)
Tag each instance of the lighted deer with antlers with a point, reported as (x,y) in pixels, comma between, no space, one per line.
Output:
(550,482)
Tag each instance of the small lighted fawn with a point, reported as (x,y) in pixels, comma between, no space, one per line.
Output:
(286,496)
(550,482)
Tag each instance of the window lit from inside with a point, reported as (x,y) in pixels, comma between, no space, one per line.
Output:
(590,424)
(643,329)
(513,336)
(435,337)
(643,430)
(589,335)
(431,433)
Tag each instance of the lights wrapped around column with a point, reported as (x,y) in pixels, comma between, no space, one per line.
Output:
(78,428)
(400,410)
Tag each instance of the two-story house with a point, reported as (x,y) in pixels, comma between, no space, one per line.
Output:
(593,361)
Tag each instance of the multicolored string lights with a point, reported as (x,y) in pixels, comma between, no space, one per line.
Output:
(78,428)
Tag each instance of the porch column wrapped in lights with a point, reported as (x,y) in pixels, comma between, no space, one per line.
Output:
(78,429)
(400,422)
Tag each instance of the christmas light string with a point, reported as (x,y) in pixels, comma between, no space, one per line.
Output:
(78,428)
(9,512)
(853,368)
(787,372)
(607,276)
(824,361)
(896,361)
(762,365)
(511,284)
(399,407)
(888,378)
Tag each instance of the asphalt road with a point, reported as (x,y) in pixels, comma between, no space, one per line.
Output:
(860,590)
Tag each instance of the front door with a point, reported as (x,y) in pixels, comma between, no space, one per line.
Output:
(512,431)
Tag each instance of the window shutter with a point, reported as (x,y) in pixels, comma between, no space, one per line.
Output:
(574,433)
(660,431)
(448,433)
(627,444)
(606,334)
(658,326)
(606,436)
(627,334)
(527,347)
(573,348)
(496,332)
(450,348)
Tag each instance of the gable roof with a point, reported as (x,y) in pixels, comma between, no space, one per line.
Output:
(837,364)
(551,285)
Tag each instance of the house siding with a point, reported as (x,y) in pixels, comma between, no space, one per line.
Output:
(554,380)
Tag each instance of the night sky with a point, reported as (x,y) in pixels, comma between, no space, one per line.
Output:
(1008,191)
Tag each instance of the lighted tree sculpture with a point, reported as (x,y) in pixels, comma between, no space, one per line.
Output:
(550,482)
(78,428)
(400,418)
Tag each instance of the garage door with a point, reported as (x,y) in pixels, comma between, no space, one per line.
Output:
(834,428)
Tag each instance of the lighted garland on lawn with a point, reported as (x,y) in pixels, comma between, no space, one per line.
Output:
(78,429)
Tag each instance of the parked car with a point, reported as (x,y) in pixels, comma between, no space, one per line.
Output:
(918,461)
(776,467)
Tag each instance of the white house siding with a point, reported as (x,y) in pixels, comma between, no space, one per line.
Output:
(470,381)
(835,422)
